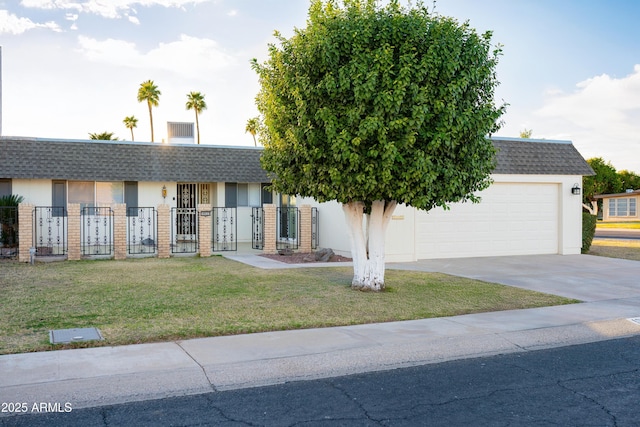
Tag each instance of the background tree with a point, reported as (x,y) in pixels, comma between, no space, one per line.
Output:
(526,133)
(374,106)
(195,102)
(103,136)
(629,180)
(253,124)
(605,181)
(130,122)
(149,92)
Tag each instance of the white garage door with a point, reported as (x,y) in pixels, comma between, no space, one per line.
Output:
(512,219)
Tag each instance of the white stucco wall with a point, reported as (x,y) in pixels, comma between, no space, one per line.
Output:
(455,234)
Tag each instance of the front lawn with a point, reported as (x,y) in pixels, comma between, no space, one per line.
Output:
(616,248)
(149,300)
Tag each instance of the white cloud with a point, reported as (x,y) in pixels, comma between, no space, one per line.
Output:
(12,24)
(189,56)
(233,12)
(108,9)
(601,115)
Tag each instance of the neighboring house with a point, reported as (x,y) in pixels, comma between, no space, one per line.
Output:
(620,206)
(530,208)
(54,172)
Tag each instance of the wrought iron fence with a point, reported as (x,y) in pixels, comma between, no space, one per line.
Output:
(225,229)
(184,238)
(141,230)
(49,230)
(96,231)
(257,225)
(8,231)
(287,228)
(315,236)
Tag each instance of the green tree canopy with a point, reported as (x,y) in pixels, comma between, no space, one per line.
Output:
(605,181)
(374,106)
(371,103)
(103,136)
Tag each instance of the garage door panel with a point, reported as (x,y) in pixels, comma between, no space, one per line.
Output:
(511,219)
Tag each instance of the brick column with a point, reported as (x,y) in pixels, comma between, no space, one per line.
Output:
(120,230)
(164,231)
(73,232)
(204,229)
(305,228)
(25,231)
(269,229)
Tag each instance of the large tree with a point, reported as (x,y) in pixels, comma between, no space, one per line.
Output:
(605,181)
(148,91)
(103,136)
(195,102)
(375,106)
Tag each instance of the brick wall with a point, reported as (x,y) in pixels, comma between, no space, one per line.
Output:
(25,231)
(204,229)
(73,232)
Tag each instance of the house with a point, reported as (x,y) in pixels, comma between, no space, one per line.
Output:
(53,173)
(531,208)
(621,206)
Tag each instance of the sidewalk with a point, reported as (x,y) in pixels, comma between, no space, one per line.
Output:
(111,375)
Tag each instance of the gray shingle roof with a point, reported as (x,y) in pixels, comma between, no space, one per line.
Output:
(538,157)
(34,158)
(127,161)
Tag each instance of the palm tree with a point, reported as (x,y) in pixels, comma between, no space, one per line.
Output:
(131,122)
(149,92)
(195,101)
(252,127)
(103,136)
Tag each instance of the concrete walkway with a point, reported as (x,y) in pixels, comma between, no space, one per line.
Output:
(110,375)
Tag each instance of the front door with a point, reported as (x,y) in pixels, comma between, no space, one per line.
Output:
(186,212)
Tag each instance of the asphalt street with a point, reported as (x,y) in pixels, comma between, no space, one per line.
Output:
(617,233)
(596,384)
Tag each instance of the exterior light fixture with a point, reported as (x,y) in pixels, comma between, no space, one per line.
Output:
(164,191)
(575,190)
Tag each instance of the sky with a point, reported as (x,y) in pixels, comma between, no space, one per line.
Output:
(570,69)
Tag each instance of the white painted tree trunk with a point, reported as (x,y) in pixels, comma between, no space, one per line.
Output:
(367,244)
(593,209)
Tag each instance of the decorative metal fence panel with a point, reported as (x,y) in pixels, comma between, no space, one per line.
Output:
(257,223)
(96,231)
(49,230)
(142,230)
(287,223)
(225,229)
(8,231)
(184,238)
(315,236)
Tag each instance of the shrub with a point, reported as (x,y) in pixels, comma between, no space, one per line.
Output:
(588,230)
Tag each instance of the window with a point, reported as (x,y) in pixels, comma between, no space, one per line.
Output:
(131,197)
(108,193)
(59,198)
(90,193)
(5,187)
(622,206)
(241,194)
(81,192)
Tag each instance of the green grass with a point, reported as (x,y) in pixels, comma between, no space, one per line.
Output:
(623,225)
(149,300)
(612,248)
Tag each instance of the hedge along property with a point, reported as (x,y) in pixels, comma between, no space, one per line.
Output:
(117,199)
(168,199)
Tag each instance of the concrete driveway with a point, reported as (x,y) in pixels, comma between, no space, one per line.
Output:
(584,277)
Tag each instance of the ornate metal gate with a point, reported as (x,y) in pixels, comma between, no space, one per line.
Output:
(96,232)
(184,237)
(141,230)
(257,225)
(315,236)
(287,219)
(225,230)
(49,230)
